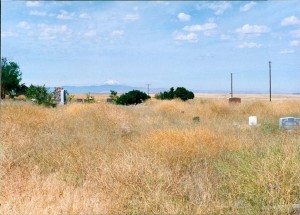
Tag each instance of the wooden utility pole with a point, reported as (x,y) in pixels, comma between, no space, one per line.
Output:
(270,80)
(231,87)
(1,87)
(148,88)
(1,63)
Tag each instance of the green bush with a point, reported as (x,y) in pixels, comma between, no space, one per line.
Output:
(132,97)
(114,96)
(180,92)
(40,95)
(89,98)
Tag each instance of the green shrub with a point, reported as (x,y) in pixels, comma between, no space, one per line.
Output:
(180,92)
(40,96)
(89,98)
(70,98)
(132,97)
(114,96)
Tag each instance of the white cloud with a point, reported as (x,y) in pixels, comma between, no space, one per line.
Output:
(33,4)
(220,7)
(37,13)
(90,34)
(247,6)
(204,27)
(287,51)
(8,34)
(291,20)
(23,25)
(162,2)
(190,37)
(84,16)
(132,17)
(111,82)
(65,15)
(295,43)
(249,45)
(225,37)
(117,33)
(183,17)
(52,32)
(296,33)
(252,30)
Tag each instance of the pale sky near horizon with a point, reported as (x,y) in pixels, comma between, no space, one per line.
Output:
(194,44)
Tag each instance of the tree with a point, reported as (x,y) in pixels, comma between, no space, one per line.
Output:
(40,95)
(167,94)
(132,97)
(183,94)
(180,92)
(10,78)
(21,90)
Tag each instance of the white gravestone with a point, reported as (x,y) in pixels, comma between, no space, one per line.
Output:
(252,120)
(62,97)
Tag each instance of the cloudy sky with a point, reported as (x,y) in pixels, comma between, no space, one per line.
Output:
(194,44)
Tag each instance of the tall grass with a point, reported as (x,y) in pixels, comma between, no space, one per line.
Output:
(151,158)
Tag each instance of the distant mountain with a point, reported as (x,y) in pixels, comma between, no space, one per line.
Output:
(106,88)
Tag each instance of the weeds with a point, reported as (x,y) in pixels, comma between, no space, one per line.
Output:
(152,158)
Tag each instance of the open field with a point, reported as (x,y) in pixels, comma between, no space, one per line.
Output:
(151,158)
(244,97)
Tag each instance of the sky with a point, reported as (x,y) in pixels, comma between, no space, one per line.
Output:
(192,44)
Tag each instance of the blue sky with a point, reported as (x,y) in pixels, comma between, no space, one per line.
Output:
(194,44)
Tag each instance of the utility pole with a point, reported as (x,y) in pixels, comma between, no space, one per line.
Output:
(148,88)
(231,87)
(270,80)
(0,56)
(1,61)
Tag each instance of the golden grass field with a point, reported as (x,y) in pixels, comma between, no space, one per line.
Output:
(151,158)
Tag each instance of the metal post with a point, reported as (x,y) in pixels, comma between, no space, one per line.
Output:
(270,80)
(231,87)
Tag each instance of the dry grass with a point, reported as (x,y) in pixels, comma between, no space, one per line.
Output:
(151,158)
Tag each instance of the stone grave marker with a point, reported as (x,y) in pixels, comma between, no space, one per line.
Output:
(289,123)
(235,100)
(60,95)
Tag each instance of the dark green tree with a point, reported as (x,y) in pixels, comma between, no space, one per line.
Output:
(21,90)
(180,92)
(167,94)
(132,97)
(11,77)
(183,94)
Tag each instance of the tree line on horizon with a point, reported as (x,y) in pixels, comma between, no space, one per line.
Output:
(11,77)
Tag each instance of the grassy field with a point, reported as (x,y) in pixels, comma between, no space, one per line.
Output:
(151,158)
